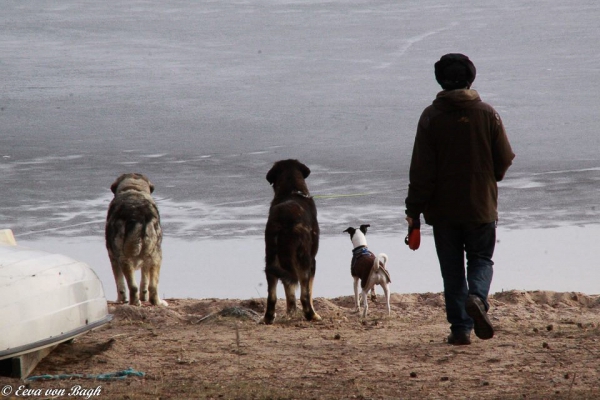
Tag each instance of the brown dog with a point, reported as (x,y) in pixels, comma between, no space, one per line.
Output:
(133,239)
(291,239)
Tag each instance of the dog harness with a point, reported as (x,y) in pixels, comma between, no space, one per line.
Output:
(360,251)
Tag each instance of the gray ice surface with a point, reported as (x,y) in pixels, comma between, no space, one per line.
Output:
(204,96)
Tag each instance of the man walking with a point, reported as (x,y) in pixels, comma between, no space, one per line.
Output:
(460,153)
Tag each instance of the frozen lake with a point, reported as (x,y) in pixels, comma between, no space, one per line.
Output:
(204,96)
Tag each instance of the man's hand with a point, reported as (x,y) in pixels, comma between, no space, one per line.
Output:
(413,239)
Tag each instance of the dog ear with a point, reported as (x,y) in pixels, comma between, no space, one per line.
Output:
(144,177)
(363,228)
(115,185)
(305,170)
(350,230)
(272,174)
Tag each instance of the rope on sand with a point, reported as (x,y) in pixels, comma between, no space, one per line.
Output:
(100,377)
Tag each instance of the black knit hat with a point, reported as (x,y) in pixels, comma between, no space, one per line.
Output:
(454,71)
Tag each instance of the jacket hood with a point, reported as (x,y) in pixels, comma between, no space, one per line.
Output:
(456,99)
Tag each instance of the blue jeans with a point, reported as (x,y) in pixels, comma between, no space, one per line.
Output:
(452,241)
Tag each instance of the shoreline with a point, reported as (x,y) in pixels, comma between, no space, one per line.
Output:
(559,259)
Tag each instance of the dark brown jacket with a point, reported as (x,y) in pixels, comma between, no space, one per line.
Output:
(460,153)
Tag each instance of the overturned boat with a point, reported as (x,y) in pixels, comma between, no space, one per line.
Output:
(45,299)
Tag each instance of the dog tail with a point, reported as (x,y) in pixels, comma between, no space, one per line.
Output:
(273,267)
(381,262)
(133,237)
(277,253)
(286,277)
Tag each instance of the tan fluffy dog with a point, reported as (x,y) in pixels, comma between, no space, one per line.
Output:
(133,239)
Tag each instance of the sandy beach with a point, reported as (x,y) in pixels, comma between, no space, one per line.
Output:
(545,347)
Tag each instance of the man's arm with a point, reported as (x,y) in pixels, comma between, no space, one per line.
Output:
(501,150)
(422,171)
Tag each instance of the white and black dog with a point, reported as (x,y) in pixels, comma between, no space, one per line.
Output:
(367,268)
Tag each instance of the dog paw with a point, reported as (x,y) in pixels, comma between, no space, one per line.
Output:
(264,321)
(159,302)
(135,303)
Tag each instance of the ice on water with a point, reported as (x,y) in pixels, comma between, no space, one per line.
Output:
(204,97)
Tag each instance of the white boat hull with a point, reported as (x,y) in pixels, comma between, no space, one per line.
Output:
(45,299)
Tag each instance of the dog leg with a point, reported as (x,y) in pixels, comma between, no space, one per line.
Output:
(365,293)
(373,295)
(144,284)
(129,273)
(153,277)
(119,281)
(271,300)
(356,299)
(306,284)
(290,298)
(372,280)
(386,290)
(316,317)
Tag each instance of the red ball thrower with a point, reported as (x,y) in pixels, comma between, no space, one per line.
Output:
(413,239)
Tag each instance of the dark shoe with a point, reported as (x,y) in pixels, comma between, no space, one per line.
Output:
(482,325)
(459,338)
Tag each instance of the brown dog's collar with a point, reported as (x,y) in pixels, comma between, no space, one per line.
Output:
(299,193)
